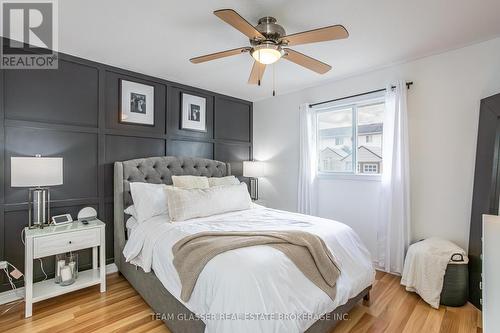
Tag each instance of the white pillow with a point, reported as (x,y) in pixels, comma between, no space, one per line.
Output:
(223,181)
(190,181)
(184,204)
(131,223)
(130,210)
(149,200)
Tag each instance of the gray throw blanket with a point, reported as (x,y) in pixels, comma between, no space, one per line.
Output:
(307,251)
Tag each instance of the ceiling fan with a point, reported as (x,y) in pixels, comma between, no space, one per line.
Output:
(269,42)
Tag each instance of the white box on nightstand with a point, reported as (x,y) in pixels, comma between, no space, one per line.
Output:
(53,240)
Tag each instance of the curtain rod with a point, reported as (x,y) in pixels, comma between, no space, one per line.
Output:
(408,84)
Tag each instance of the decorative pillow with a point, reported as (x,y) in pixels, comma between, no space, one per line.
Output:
(184,204)
(130,210)
(223,181)
(131,223)
(149,200)
(190,181)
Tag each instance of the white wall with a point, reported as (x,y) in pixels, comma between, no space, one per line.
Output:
(443,111)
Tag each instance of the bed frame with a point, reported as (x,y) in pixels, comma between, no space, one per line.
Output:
(160,170)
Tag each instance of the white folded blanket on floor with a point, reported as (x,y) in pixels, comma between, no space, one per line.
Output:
(425,267)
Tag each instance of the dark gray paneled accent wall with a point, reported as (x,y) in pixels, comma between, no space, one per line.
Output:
(231,120)
(66,96)
(73,112)
(233,153)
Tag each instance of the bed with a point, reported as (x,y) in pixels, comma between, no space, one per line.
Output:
(160,289)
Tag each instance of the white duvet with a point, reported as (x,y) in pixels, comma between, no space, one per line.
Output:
(254,289)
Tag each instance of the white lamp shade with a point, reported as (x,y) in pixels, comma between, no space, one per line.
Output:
(36,171)
(253,169)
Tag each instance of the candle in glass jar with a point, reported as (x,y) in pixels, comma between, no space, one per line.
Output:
(60,264)
(72,267)
(66,274)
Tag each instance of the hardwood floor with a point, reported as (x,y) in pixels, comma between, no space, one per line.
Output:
(121,309)
(393,309)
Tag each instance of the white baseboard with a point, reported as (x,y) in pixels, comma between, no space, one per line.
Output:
(13,295)
(111,268)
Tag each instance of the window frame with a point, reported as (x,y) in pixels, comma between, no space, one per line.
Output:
(354,104)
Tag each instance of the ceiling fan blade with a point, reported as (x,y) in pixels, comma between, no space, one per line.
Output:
(317,35)
(257,73)
(306,61)
(234,19)
(218,55)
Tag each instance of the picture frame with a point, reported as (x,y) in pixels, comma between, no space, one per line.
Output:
(136,103)
(193,113)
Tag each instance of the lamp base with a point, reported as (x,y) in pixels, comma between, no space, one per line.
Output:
(254,189)
(39,207)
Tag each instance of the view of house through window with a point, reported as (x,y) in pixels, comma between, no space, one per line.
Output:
(342,128)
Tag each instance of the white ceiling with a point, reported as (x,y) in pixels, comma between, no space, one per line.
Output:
(157,37)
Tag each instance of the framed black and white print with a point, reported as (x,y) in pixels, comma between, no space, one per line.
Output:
(193,113)
(137,103)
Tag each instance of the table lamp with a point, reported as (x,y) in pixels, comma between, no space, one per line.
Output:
(37,173)
(253,170)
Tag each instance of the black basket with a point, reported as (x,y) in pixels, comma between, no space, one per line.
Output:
(456,283)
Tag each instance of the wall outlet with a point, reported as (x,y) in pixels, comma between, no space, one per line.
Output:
(3,264)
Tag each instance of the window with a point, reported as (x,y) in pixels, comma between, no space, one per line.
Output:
(370,168)
(350,136)
(331,126)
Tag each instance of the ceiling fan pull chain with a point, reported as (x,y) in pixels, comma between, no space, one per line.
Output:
(274,79)
(258,81)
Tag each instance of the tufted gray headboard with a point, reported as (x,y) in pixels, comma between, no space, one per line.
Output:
(156,170)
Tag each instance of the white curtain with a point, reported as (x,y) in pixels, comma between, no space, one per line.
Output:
(307,161)
(394,225)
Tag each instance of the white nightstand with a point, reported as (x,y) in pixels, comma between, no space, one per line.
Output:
(61,239)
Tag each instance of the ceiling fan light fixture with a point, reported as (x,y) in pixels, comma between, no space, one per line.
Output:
(267,54)
(269,43)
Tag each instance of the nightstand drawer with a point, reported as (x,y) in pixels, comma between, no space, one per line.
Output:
(64,242)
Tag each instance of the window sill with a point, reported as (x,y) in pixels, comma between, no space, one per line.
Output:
(349,176)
